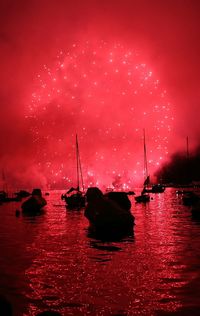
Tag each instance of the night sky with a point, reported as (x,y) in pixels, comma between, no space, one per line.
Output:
(104,70)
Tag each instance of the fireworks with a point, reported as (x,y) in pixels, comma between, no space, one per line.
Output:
(107,96)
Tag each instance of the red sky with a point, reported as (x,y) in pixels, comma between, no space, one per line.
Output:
(165,35)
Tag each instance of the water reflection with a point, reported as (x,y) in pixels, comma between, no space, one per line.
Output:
(51,262)
(108,247)
(105,251)
(109,237)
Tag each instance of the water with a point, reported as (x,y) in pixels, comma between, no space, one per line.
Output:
(50,263)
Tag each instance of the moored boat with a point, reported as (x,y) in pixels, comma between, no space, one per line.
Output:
(35,204)
(74,197)
(143,198)
(155,188)
(22,194)
(5,198)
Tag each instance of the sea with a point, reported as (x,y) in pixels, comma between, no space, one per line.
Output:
(50,262)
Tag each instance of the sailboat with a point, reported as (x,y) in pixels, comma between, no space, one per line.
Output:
(74,197)
(144,197)
(4,196)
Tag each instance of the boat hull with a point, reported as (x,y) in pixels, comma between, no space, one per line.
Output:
(142,198)
(33,206)
(157,188)
(74,201)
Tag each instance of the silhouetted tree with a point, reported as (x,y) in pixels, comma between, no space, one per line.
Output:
(181,169)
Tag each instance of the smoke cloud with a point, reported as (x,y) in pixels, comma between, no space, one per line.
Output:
(34,33)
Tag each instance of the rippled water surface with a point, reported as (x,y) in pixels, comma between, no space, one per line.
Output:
(49,262)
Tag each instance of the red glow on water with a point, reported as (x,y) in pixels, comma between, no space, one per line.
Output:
(106,94)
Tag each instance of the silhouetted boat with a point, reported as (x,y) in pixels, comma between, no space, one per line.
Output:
(74,197)
(106,217)
(130,193)
(5,198)
(35,204)
(155,188)
(144,197)
(181,192)
(22,194)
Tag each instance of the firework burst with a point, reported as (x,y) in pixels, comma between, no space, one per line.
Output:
(106,95)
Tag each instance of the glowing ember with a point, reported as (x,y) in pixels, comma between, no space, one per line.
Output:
(107,96)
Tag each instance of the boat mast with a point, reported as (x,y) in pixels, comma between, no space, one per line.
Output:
(77,163)
(145,157)
(187,161)
(4,183)
(78,166)
(187,148)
